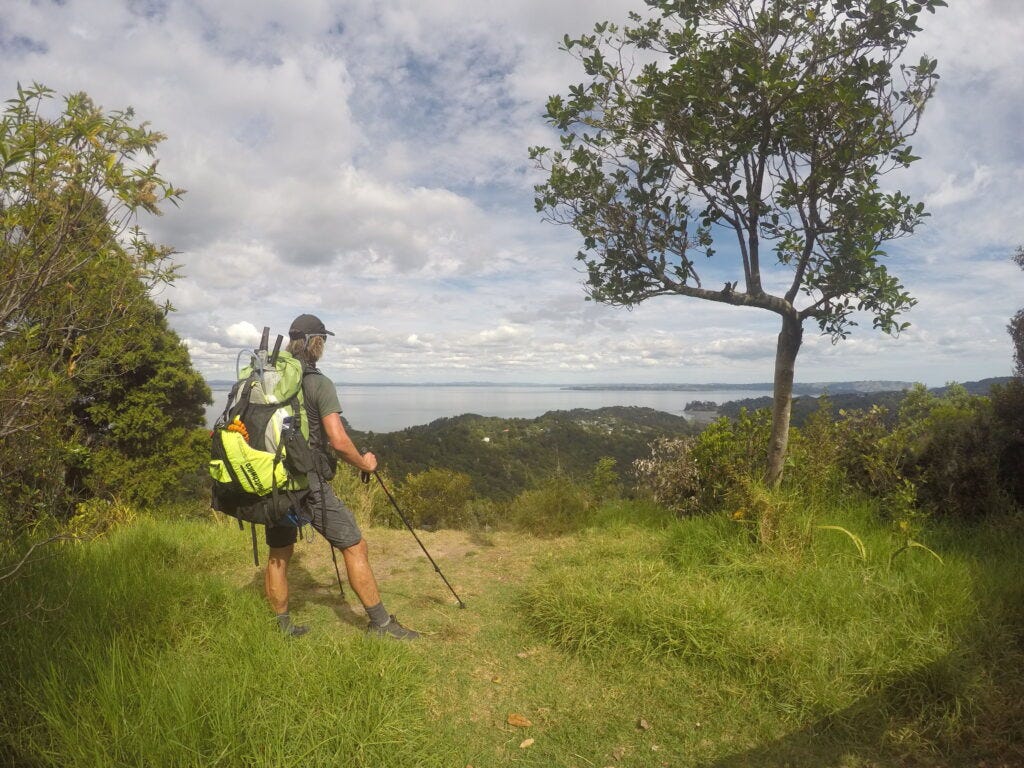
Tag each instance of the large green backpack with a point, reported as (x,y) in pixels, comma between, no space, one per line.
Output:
(260,453)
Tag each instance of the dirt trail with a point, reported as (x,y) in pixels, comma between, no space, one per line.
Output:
(474,564)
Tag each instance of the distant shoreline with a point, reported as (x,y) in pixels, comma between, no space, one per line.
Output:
(805,388)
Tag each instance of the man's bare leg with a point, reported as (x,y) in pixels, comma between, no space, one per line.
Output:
(275,579)
(364,583)
(275,584)
(360,574)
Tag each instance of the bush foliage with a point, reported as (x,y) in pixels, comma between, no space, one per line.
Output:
(437,498)
(950,454)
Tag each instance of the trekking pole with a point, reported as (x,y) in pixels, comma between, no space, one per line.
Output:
(365,477)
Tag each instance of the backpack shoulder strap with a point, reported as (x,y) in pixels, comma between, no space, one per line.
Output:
(237,401)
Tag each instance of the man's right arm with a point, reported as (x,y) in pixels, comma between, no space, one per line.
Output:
(343,446)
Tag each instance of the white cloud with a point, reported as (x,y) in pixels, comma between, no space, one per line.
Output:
(243,333)
(956,190)
(367,162)
(499,335)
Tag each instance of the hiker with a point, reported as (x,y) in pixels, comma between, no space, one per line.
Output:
(322,508)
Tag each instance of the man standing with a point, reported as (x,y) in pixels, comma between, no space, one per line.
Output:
(325,511)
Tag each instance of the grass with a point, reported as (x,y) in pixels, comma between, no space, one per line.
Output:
(642,641)
(138,650)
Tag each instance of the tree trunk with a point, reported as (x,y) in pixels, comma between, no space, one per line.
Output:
(785,363)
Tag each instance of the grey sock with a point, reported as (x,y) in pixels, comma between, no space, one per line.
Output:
(378,614)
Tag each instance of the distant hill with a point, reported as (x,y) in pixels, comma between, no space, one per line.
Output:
(506,456)
(849,401)
(805,405)
(982,387)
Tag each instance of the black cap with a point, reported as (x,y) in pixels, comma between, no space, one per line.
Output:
(307,325)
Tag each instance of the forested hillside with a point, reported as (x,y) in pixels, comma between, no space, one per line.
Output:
(505,456)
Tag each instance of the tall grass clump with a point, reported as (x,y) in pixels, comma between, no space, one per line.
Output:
(437,498)
(832,631)
(864,594)
(556,507)
(138,650)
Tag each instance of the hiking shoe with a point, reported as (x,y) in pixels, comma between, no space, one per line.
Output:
(295,630)
(391,629)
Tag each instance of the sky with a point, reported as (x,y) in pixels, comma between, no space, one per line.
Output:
(367,162)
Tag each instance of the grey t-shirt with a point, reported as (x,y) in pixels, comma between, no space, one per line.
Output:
(321,398)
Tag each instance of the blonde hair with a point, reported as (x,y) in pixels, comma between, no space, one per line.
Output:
(308,350)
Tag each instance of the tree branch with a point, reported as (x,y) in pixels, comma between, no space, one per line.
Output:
(9,573)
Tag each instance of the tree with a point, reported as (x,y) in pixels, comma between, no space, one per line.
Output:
(767,125)
(64,180)
(1016,326)
(81,339)
(138,412)
(70,187)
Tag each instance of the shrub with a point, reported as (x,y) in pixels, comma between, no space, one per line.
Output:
(697,475)
(813,467)
(736,446)
(484,514)
(173,469)
(557,507)
(952,452)
(670,474)
(437,498)
(730,452)
(947,454)
(98,516)
(33,464)
(871,455)
(604,483)
(1008,415)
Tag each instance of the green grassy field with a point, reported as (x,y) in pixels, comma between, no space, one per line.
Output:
(642,641)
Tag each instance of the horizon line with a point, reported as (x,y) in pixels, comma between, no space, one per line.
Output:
(595,385)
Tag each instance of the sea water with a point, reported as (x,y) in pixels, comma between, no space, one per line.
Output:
(388,408)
